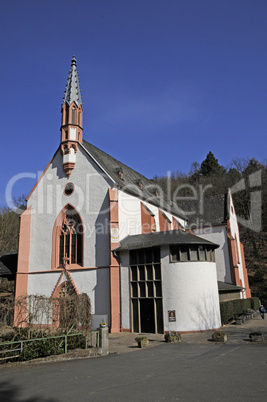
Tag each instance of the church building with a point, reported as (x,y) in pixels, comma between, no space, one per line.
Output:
(100,226)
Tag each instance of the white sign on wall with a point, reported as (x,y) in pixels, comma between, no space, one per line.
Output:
(114,234)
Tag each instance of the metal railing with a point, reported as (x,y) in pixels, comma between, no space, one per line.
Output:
(19,346)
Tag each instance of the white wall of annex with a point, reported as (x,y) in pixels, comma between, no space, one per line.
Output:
(190,288)
(90,198)
(218,235)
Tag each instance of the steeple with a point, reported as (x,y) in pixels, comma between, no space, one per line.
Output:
(73,93)
(71,125)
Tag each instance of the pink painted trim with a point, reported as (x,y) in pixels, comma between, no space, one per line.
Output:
(164,224)
(245,272)
(148,222)
(72,282)
(115,308)
(56,286)
(71,267)
(55,295)
(23,261)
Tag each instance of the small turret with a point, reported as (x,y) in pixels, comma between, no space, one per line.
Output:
(72,116)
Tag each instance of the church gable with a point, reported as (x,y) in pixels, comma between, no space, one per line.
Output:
(87,192)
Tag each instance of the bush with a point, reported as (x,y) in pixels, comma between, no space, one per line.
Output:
(255,303)
(227,311)
(219,336)
(140,338)
(230,309)
(173,337)
(45,346)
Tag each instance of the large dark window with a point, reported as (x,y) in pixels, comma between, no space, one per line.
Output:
(146,291)
(71,239)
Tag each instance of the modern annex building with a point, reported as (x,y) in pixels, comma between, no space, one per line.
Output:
(109,232)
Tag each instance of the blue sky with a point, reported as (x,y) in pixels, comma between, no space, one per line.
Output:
(163,81)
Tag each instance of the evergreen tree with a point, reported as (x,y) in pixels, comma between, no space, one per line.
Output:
(211,167)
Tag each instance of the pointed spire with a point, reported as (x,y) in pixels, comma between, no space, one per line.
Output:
(73,93)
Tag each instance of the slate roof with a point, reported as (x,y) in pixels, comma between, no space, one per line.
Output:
(73,92)
(228,287)
(8,263)
(214,211)
(161,238)
(131,180)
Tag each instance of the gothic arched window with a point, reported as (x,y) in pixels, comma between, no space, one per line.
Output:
(67,239)
(70,244)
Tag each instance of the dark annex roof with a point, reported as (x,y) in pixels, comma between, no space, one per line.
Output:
(228,287)
(213,212)
(8,263)
(162,238)
(129,180)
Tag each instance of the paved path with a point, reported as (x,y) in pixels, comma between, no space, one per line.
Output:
(194,370)
(170,372)
(237,334)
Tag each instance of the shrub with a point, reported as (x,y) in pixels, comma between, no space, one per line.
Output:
(256,333)
(229,309)
(45,346)
(219,336)
(255,303)
(140,338)
(173,337)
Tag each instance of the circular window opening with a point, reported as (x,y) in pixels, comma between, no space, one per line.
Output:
(69,188)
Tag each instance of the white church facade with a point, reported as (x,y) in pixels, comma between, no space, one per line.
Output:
(111,233)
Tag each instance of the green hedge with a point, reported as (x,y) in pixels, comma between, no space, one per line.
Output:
(234,307)
(255,303)
(42,347)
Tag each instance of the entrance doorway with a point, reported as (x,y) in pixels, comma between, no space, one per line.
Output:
(147,315)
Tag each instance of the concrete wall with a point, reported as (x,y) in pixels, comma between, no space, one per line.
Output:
(218,235)
(190,288)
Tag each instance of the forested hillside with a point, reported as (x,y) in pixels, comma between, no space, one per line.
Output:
(244,177)
(9,225)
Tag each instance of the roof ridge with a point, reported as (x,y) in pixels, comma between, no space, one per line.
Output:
(119,162)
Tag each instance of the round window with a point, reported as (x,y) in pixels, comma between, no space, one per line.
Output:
(69,188)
